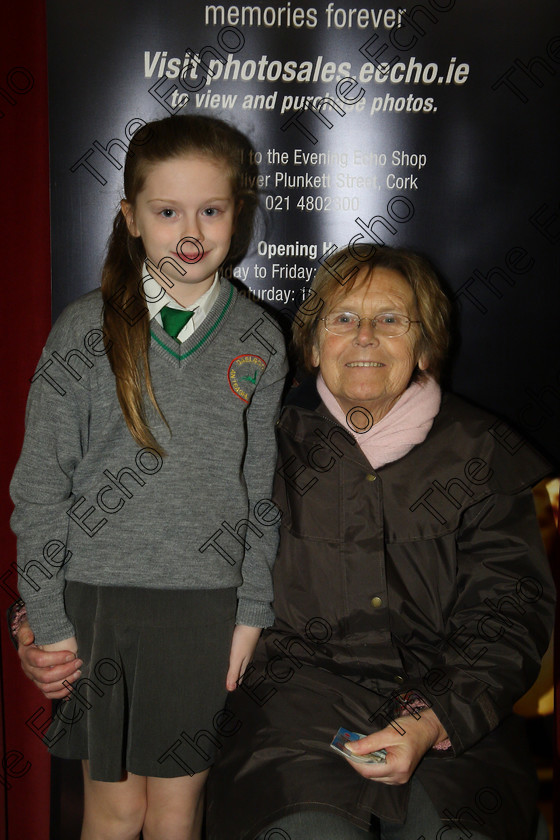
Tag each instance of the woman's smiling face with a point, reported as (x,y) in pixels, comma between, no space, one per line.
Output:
(364,368)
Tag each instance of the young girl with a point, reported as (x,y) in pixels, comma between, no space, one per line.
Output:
(142,490)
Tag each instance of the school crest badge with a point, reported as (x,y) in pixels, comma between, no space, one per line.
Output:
(244,373)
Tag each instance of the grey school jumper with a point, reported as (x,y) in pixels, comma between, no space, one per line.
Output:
(93,506)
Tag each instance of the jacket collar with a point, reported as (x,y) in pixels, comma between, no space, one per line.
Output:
(304,397)
(304,394)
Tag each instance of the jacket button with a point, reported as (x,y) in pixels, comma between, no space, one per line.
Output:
(370,477)
(376,602)
(399,679)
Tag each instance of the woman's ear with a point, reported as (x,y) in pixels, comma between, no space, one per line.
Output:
(423,362)
(315,356)
(128,213)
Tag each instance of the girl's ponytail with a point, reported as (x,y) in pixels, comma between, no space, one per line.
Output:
(127,337)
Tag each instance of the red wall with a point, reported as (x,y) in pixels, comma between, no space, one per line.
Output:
(25,313)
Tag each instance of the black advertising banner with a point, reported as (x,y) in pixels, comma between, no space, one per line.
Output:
(432,126)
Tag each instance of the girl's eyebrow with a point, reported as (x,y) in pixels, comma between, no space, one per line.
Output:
(178,200)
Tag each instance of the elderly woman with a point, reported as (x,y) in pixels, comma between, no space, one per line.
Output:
(413,599)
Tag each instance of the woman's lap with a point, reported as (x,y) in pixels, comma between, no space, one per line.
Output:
(422,821)
(313,825)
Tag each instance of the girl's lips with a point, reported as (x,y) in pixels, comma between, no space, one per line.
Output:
(191,258)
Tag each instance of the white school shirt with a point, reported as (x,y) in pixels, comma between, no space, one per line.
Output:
(157,298)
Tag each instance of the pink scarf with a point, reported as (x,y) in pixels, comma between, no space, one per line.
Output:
(406,425)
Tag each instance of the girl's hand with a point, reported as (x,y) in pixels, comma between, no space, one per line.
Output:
(243,645)
(47,669)
(404,752)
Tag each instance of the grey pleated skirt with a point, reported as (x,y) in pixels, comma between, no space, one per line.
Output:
(153,680)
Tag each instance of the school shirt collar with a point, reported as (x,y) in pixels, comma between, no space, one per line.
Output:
(157,298)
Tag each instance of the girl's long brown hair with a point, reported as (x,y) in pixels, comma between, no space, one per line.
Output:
(125,314)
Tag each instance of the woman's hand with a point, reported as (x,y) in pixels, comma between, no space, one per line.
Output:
(243,645)
(404,752)
(48,665)
(66,644)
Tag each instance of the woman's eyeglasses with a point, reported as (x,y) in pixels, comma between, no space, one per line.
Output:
(387,324)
